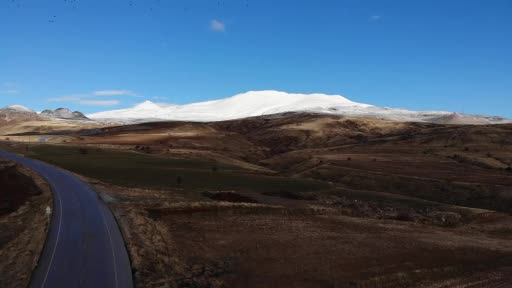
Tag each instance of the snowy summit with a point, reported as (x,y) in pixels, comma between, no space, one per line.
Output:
(257,103)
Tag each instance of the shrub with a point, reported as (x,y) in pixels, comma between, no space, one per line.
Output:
(291,195)
(229,197)
(405,216)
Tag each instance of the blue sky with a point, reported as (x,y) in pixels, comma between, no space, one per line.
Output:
(94,55)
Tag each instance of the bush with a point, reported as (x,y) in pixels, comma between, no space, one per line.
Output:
(291,195)
(229,197)
(429,151)
(405,216)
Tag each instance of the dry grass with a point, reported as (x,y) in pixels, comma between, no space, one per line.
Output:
(23,232)
(394,204)
(181,239)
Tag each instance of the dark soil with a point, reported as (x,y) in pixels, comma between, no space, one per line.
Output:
(17,188)
(229,197)
(23,223)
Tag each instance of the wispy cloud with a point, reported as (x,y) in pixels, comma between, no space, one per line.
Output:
(218,26)
(9,84)
(113,93)
(375,18)
(95,98)
(99,102)
(10,91)
(64,99)
(159,97)
(80,100)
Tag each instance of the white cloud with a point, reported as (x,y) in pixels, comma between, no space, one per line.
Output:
(84,99)
(113,93)
(216,25)
(159,97)
(375,18)
(99,102)
(64,99)
(11,91)
(91,98)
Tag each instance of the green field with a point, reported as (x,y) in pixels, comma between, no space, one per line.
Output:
(132,169)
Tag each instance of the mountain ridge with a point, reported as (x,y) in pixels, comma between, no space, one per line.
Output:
(63,113)
(254,104)
(266,102)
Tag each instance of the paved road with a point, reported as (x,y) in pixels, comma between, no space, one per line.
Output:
(84,247)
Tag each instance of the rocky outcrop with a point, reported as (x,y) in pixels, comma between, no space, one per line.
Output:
(63,113)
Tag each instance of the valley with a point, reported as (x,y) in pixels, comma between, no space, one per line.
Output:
(300,198)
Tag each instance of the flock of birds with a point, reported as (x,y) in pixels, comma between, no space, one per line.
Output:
(131,3)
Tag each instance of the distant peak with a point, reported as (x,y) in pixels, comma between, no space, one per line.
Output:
(19,108)
(63,113)
(274,94)
(147,105)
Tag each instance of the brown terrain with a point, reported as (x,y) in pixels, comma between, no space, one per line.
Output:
(24,197)
(392,205)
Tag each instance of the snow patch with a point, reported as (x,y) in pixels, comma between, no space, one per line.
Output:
(20,108)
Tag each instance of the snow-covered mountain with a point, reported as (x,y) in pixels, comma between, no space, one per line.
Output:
(257,103)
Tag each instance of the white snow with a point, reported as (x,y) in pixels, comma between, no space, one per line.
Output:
(257,103)
(19,108)
(253,103)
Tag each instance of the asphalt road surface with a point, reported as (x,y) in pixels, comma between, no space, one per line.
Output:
(84,247)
